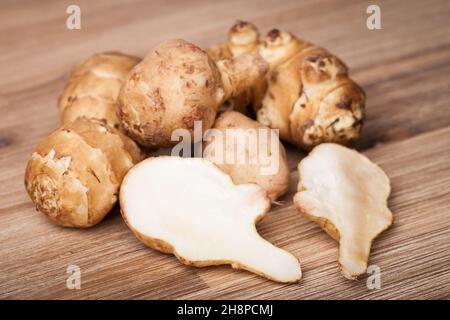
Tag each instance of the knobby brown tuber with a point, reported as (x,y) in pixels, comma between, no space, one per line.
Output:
(307,93)
(249,153)
(212,221)
(74,175)
(346,194)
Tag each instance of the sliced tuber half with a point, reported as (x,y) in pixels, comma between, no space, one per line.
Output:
(346,194)
(190,208)
(74,175)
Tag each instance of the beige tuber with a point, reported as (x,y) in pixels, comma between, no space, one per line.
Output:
(243,37)
(93,88)
(177,84)
(249,153)
(346,194)
(74,175)
(211,222)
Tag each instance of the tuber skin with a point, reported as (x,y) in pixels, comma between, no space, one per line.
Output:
(243,37)
(312,100)
(74,175)
(275,184)
(93,88)
(177,84)
(307,93)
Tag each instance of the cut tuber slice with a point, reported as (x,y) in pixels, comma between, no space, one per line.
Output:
(307,94)
(346,194)
(190,208)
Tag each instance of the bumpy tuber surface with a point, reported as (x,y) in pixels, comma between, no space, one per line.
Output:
(307,93)
(312,100)
(74,175)
(249,153)
(212,221)
(93,88)
(177,84)
(346,194)
(243,37)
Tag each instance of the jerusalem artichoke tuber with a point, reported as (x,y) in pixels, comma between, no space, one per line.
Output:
(243,37)
(311,99)
(249,153)
(93,88)
(212,221)
(346,194)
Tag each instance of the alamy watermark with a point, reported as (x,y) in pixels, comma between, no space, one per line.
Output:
(252,146)
(73,280)
(374,279)
(373,22)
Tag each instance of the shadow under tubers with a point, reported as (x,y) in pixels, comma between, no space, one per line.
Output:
(212,221)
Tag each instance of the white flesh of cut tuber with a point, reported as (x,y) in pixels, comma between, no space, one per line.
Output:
(190,208)
(346,194)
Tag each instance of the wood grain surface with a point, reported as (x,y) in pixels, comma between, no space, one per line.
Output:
(404,69)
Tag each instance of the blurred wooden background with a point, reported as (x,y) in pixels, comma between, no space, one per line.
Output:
(404,69)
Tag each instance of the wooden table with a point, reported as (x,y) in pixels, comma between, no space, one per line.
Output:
(404,69)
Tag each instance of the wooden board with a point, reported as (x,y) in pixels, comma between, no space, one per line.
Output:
(404,69)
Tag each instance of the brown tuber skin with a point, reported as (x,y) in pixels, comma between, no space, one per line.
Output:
(243,37)
(249,172)
(307,93)
(74,175)
(312,100)
(347,195)
(93,88)
(178,84)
